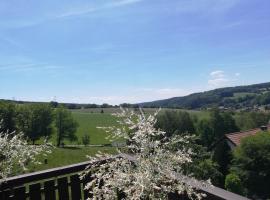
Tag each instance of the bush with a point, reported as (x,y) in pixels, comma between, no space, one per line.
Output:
(152,173)
(86,139)
(234,184)
(252,164)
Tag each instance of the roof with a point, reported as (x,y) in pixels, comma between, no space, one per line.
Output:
(236,137)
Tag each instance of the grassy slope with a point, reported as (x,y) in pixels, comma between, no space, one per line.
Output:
(88,123)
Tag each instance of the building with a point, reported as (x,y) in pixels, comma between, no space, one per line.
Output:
(234,139)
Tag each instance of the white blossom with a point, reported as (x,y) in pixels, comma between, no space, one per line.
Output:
(154,169)
(16,152)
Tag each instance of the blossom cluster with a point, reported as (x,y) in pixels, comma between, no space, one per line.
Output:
(16,152)
(150,167)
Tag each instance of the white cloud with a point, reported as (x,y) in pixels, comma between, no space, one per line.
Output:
(132,96)
(75,11)
(217,74)
(219,79)
(28,66)
(85,10)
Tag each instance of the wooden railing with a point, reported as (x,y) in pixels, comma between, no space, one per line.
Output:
(63,183)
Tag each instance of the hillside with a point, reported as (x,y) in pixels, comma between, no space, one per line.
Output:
(240,97)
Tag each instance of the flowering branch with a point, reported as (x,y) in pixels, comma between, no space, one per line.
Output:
(15,151)
(157,171)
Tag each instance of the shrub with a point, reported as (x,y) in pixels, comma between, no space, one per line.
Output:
(16,152)
(86,139)
(157,170)
(234,184)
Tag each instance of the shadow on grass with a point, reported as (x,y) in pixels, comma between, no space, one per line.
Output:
(71,148)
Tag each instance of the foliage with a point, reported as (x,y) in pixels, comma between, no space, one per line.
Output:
(7,115)
(255,95)
(250,120)
(206,169)
(252,164)
(213,129)
(156,170)
(15,152)
(175,122)
(206,132)
(86,139)
(65,124)
(35,121)
(233,183)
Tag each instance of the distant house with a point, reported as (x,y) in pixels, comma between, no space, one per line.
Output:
(234,139)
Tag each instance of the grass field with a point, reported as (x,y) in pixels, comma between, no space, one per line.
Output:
(88,123)
(66,156)
(89,120)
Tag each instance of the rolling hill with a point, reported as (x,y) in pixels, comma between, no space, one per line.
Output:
(249,96)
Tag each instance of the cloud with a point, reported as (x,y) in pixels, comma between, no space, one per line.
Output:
(30,66)
(132,96)
(85,10)
(75,11)
(219,79)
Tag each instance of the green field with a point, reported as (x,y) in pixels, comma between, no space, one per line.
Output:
(66,156)
(89,120)
(88,123)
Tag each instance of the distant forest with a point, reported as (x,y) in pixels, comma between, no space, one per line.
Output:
(240,97)
(250,97)
(55,104)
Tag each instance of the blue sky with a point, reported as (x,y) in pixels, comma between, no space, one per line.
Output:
(119,51)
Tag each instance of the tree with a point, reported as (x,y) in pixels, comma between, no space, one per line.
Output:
(233,183)
(206,169)
(35,121)
(206,132)
(175,122)
(15,152)
(86,139)
(7,116)
(152,173)
(65,124)
(251,162)
(213,129)
(54,104)
(250,120)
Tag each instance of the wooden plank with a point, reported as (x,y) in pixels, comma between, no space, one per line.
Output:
(49,190)
(45,174)
(63,188)
(19,193)
(4,195)
(86,180)
(35,192)
(75,184)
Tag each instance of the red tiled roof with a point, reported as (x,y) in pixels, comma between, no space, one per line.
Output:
(236,138)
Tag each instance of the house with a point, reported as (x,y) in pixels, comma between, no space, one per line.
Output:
(234,139)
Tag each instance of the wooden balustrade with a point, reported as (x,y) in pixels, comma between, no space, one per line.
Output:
(63,183)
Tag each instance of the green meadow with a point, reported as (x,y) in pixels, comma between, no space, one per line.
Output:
(89,120)
(66,156)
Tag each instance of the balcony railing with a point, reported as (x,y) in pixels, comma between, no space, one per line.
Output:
(63,183)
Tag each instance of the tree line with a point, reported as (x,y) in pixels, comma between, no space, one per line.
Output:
(253,95)
(38,121)
(244,170)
